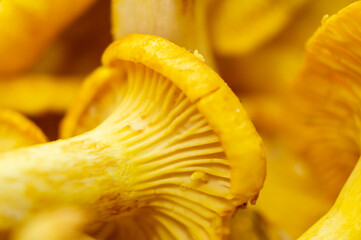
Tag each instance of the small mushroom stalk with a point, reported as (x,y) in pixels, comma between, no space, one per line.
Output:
(155,161)
(343,219)
(182,22)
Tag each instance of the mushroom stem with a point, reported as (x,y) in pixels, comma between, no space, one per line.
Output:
(81,171)
(155,155)
(343,219)
(182,22)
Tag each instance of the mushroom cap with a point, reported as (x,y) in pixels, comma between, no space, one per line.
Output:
(69,53)
(53,94)
(327,95)
(211,95)
(181,22)
(192,128)
(273,67)
(17,131)
(240,27)
(33,26)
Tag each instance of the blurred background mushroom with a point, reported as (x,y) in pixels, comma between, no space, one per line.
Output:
(17,131)
(326,122)
(182,22)
(55,70)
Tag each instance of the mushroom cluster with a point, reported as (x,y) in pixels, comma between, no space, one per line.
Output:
(122,119)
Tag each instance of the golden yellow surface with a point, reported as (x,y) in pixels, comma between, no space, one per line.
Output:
(291,199)
(27,27)
(240,27)
(159,165)
(78,49)
(95,101)
(273,67)
(37,94)
(201,85)
(57,77)
(327,119)
(181,22)
(59,224)
(343,220)
(17,131)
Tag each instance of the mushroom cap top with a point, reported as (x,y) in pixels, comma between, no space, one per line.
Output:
(17,131)
(33,26)
(202,86)
(327,95)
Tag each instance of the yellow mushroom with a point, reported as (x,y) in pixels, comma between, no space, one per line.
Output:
(240,27)
(328,96)
(182,22)
(78,49)
(325,107)
(174,159)
(37,94)
(27,27)
(343,219)
(273,67)
(291,200)
(51,85)
(17,131)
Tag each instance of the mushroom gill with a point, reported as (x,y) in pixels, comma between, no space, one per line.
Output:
(271,68)
(173,159)
(327,95)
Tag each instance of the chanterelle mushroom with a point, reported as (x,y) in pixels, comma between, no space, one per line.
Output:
(27,27)
(173,161)
(327,95)
(343,219)
(182,22)
(53,94)
(240,27)
(17,131)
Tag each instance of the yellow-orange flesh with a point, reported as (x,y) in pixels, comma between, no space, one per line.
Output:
(241,27)
(182,22)
(45,226)
(17,131)
(156,168)
(327,92)
(33,26)
(37,94)
(202,86)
